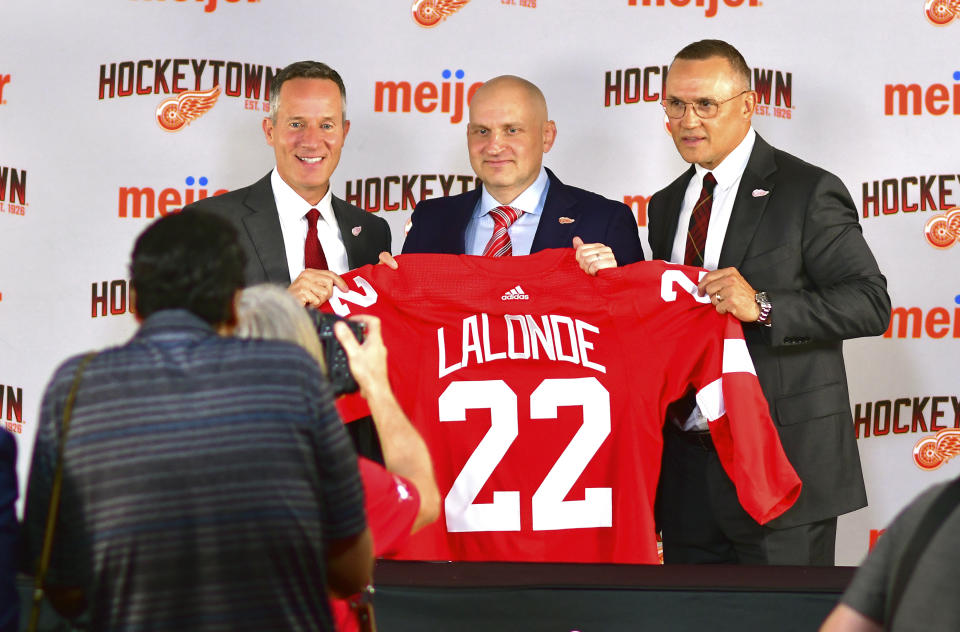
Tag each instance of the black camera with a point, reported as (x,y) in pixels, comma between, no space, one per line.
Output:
(338,368)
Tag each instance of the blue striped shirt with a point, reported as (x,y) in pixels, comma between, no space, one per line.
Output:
(202,476)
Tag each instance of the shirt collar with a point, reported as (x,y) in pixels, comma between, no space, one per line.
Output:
(174,320)
(292,207)
(730,169)
(529,201)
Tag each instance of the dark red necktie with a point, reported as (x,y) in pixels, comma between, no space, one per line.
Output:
(313,256)
(499,244)
(699,222)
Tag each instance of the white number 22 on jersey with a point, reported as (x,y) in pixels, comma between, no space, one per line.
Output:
(550,511)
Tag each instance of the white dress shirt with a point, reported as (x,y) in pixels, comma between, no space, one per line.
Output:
(293,224)
(531,201)
(728,174)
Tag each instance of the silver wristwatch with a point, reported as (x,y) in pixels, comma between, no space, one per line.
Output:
(765,307)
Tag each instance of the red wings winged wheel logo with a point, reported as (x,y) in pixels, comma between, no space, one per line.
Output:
(932,452)
(942,12)
(186,107)
(429,13)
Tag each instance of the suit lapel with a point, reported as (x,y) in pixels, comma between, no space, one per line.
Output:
(352,242)
(263,229)
(661,243)
(747,207)
(454,238)
(559,203)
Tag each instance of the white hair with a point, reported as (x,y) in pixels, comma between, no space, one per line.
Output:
(268,311)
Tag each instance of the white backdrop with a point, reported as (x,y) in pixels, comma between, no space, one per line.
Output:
(68,157)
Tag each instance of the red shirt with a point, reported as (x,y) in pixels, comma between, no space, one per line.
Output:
(392,504)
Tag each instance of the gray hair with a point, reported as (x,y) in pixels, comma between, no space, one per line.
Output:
(268,311)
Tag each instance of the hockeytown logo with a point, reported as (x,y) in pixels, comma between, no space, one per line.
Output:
(941,12)
(192,85)
(915,194)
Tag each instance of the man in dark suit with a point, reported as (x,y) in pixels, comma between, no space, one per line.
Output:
(307,128)
(788,259)
(507,135)
(290,225)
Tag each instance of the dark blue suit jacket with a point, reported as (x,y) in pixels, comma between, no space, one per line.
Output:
(439,225)
(9,530)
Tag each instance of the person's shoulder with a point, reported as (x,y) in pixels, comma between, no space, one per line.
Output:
(229,201)
(596,201)
(356,213)
(8,447)
(793,166)
(254,350)
(438,204)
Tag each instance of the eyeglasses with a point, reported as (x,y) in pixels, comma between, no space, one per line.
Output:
(704,108)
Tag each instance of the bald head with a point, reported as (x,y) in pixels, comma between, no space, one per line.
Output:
(512,88)
(508,134)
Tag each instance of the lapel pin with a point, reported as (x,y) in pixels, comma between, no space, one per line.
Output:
(565,220)
(356,231)
(760,192)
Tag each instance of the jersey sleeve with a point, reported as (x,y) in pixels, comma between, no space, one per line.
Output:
(699,348)
(392,504)
(746,440)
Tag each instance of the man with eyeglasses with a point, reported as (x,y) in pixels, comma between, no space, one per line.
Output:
(786,257)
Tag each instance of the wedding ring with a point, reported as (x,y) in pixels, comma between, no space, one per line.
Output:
(718,297)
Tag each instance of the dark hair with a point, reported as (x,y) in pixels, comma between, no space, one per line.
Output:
(705,49)
(305,70)
(188,261)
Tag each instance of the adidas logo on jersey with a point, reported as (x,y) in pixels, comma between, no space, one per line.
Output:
(516,294)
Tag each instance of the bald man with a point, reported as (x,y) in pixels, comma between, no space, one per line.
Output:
(508,133)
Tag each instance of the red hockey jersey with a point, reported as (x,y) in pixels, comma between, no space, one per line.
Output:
(541,393)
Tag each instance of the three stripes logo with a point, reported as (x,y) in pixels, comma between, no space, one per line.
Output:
(515,294)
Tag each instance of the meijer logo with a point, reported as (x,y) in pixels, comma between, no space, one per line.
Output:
(4,79)
(710,5)
(429,13)
(914,322)
(210,6)
(912,100)
(450,97)
(145,202)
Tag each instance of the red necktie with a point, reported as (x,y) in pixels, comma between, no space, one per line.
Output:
(313,256)
(499,244)
(699,222)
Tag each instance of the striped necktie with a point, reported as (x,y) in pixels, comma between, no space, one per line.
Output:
(699,222)
(499,244)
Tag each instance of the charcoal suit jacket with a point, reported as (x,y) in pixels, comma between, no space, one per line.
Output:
(794,232)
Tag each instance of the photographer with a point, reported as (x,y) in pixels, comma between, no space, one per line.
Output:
(400,499)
